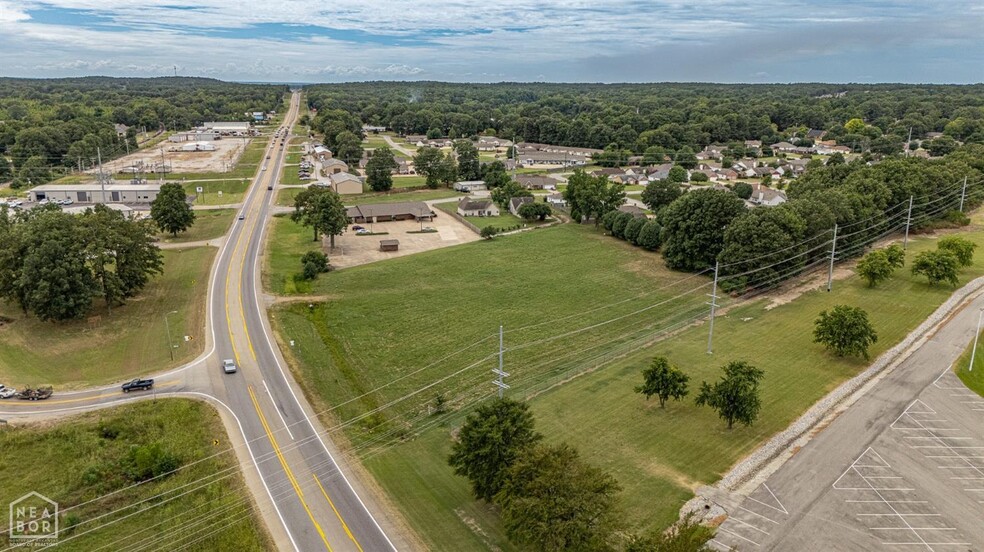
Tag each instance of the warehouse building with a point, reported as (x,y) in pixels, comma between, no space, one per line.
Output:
(93,192)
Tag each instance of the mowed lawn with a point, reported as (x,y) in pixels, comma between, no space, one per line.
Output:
(286,196)
(232,191)
(111,346)
(78,461)
(432,318)
(209,225)
(972,378)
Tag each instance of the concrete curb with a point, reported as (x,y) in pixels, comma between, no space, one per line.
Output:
(751,465)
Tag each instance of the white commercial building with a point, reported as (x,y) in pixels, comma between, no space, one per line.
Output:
(93,192)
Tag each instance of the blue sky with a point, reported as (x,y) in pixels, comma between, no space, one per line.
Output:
(497,40)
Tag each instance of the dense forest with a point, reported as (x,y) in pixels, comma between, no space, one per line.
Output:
(47,126)
(636,117)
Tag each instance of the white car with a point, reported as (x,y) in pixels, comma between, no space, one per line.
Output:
(7,392)
(229,366)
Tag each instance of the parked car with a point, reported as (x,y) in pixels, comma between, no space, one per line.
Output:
(242,216)
(138,384)
(7,392)
(357,227)
(229,366)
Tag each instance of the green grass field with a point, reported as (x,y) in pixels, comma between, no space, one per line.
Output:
(504,220)
(209,224)
(286,196)
(288,176)
(411,181)
(283,252)
(111,346)
(233,191)
(379,327)
(77,461)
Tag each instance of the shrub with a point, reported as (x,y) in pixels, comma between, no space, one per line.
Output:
(149,461)
(608,221)
(648,237)
(937,266)
(961,248)
(618,227)
(489,232)
(631,232)
(314,263)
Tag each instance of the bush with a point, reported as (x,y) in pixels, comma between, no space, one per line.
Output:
(699,177)
(314,263)
(961,248)
(489,232)
(632,229)
(957,218)
(621,221)
(648,237)
(937,266)
(608,221)
(149,461)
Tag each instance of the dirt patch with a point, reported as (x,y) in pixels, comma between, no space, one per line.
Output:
(816,281)
(477,529)
(353,250)
(277,300)
(222,159)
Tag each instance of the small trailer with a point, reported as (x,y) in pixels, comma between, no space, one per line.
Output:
(35,394)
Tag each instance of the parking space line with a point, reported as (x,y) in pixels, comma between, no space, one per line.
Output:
(746,524)
(758,514)
(732,533)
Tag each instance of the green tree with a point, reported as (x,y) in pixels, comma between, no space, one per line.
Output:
(35,170)
(875,267)
(664,381)
(621,221)
(6,169)
(895,255)
(469,167)
(494,174)
(677,174)
(854,126)
(348,147)
(845,330)
(379,169)
(490,441)
(448,170)
(608,221)
(938,147)
(649,236)
(314,263)
(687,535)
(659,194)
(632,229)
(553,501)
(694,225)
(938,266)
(428,162)
(489,232)
(962,248)
(121,251)
(699,177)
(742,190)
(171,211)
(320,208)
(535,211)
(762,247)
(511,189)
(590,197)
(736,395)
(685,157)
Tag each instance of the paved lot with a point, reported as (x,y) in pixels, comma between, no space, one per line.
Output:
(353,250)
(902,469)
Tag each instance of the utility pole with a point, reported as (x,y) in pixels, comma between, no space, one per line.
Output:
(908,222)
(833,253)
(162,165)
(713,304)
(963,194)
(907,142)
(498,382)
(170,344)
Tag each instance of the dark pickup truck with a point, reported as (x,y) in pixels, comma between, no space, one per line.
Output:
(138,385)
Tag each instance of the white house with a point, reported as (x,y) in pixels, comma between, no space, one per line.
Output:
(477,207)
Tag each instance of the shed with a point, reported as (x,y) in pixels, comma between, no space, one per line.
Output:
(389,245)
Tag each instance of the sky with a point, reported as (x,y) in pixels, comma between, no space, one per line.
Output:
(913,41)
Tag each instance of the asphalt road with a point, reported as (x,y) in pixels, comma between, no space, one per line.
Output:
(901,469)
(298,479)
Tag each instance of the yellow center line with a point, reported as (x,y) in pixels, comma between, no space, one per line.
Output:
(344,525)
(283,462)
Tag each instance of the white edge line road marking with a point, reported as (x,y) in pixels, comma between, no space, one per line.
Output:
(287,427)
(276,359)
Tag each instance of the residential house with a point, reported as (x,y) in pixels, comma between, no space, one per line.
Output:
(633,210)
(727,174)
(530,158)
(477,207)
(121,130)
(814,134)
(320,152)
(753,145)
(764,195)
(537,182)
(557,200)
(491,143)
(712,152)
(415,138)
(404,166)
(517,202)
(660,172)
(373,129)
(782,147)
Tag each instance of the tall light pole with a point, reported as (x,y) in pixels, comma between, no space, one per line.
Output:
(167,326)
(977,334)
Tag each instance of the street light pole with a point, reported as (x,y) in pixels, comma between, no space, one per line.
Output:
(977,334)
(170,344)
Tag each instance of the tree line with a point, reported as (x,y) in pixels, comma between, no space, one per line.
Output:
(54,264)
(48,126)
(670,116)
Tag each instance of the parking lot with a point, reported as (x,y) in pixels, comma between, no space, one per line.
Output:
(918,485)
(352,249)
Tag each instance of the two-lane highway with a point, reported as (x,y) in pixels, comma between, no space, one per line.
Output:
(318,505)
